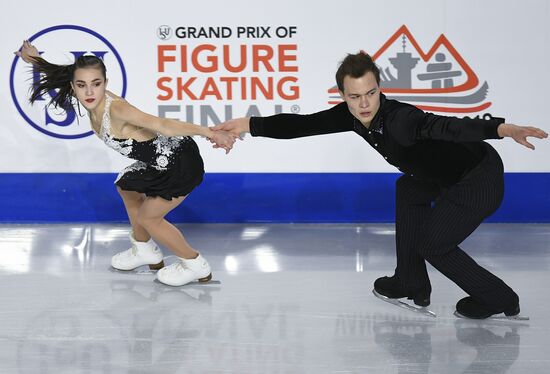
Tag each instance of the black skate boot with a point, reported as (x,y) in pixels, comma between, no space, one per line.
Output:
(392,289)
(470,308)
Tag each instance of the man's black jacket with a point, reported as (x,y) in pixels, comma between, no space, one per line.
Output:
(424,145)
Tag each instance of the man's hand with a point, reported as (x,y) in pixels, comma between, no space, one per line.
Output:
(27,51)
(520,133)
(237,126)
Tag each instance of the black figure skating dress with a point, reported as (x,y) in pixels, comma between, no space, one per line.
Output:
(165,166)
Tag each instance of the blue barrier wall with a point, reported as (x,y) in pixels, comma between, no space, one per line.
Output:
(250,197)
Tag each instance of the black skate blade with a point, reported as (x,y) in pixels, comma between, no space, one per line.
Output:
(417,309)
(194,283)
(497,317)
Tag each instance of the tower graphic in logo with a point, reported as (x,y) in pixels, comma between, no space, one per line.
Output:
(62,44)
(438,81)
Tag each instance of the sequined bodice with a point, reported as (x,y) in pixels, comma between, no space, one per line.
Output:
(156,152)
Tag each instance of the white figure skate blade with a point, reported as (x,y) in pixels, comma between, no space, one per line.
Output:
(498,317)
(404,305)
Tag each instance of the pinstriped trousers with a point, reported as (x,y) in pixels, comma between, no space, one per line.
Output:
(432,221)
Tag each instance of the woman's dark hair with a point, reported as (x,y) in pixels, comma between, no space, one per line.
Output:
(59,77)
(356,66)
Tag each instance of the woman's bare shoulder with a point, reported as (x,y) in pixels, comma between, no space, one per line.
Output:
(115,97)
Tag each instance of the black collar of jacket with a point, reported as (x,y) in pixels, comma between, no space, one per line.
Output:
(376,123)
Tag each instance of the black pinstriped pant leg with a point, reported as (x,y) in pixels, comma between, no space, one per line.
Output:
(457,212)
(413,208)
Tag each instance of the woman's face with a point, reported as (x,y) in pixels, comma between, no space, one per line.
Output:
(89,86)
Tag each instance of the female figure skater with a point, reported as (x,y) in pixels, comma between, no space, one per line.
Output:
(168,166)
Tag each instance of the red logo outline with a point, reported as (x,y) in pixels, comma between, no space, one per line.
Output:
(471,82)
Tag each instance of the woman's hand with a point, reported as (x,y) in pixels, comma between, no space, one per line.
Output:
(27,52)
(222,139)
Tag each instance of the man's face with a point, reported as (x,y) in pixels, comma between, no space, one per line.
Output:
(362,96)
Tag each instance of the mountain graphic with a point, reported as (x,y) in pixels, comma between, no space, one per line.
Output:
(427,80)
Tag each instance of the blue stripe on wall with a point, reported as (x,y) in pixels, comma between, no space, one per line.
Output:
(250,197)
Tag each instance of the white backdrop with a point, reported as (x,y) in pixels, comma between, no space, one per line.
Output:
(504,43)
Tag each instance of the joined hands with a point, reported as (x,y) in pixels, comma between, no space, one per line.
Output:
(234,128)
(222,139)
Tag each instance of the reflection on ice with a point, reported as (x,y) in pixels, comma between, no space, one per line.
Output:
(64,311)
(266,258)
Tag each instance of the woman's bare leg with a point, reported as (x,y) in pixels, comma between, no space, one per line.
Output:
(150,216)
(133,201)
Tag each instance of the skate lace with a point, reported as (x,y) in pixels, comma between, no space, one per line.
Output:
(180,266)
(134,250)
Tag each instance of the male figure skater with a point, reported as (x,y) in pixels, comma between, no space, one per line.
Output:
(452,180)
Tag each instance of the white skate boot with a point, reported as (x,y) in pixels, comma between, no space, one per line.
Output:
(141,253)
(185,271)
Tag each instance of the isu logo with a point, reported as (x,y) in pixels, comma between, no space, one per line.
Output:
(75,41)
(438,81)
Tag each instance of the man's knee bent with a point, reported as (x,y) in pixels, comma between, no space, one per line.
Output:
(431,248)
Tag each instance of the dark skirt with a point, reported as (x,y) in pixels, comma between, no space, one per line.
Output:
(178,178)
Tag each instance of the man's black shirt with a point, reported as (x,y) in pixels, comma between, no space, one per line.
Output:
(424,145)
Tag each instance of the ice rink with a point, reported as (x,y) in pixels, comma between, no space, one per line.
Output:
(290,298)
